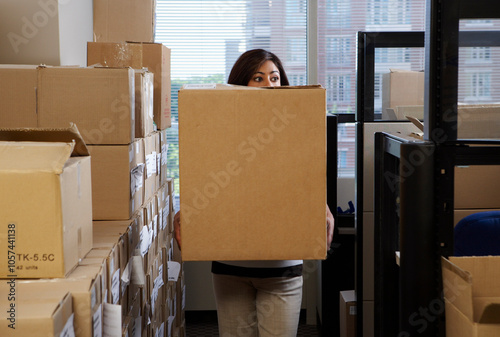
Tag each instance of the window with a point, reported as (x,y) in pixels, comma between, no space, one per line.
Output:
(207,36)
(338,50)
(388,12)
(338,88)
(480,85)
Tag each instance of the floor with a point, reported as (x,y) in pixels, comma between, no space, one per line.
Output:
(204,324)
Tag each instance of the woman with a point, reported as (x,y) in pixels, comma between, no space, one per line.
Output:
(258,298)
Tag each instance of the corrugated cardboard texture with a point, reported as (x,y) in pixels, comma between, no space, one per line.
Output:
(253,173)
(124,20)
(153,56)
(477,186)
(45,317)
(99,101)
(400,87)
(115,168)
(472,295)
(18,96)
(48,198)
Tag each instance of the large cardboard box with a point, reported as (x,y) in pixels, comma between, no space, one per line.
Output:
(347,312)
(472,296)
(45,32)
(33,317)
(46,202)
(402,88)
(153,56)
(100,101)
(117,180)
(18,96)
(124,20)
(252,173)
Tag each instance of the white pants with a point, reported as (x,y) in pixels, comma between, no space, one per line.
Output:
(251,307)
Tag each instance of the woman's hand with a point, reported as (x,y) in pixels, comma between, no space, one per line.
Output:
(330,224)
(177,228)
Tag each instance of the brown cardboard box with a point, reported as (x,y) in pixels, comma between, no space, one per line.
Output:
(124,20)
(347,313)
(402,87)
(478,121)
(51,316)
(85,292)
(477,186)
(117,180)
(252,175)
(100,101)
(46,202)
(18,101)
(153,56)
(472,296)
(144,81)
(45,32)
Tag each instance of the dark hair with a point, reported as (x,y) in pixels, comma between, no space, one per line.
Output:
(249,62)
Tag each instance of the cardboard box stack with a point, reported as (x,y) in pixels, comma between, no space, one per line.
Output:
(98,233)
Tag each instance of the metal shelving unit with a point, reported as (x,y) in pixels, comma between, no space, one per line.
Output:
(414,182)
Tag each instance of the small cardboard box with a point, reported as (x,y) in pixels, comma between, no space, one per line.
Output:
(45,32)
(137,55)
(33,317)
(124,20)
(47,204)
(117,180)
(402,88)
(472,296)
(252,173)
(164,156)
(347,313)
(18,101)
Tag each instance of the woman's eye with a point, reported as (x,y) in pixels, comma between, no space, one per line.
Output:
(258,79)
(275,79)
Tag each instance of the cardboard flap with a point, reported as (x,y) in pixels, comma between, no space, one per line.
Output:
(63,135)
(491,314)
(457,287)
(34,156)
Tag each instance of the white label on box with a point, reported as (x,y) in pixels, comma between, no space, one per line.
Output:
(136,178)
(125,278)
(352,310)
(131,154)
(93,297)
(137,329)
(158,163)
(173,270)
(161,330)
(150,227)
(151,164)
(199,86)
(138,276)
(115,286)
(144,238)
(164,153)
(155,226)
(68,330)
(137,147)
(170,322)
(97,322)
(164,218)
(112,320)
